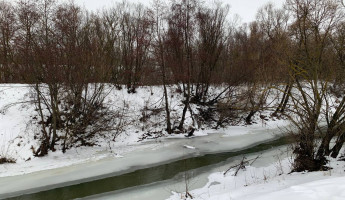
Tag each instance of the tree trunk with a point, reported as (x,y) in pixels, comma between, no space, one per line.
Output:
(249,117)
(43,150)
(167,109)
(180,127)
(338,145)
(283,107)
(324,147)
(283,103)
(53,102)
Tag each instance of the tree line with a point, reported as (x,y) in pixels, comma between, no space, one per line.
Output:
(121,44)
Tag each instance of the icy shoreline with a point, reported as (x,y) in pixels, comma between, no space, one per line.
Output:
(148,154)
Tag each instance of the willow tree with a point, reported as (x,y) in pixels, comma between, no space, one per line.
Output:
(314,23)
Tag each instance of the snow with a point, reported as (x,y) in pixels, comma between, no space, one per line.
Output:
(198,179)
(272,182)
(144,155)
(189,147)
(268,178)
(332,188)
(18,127)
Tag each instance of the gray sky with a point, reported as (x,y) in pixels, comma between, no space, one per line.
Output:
(246,9)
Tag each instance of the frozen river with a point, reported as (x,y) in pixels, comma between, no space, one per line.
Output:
(151,172)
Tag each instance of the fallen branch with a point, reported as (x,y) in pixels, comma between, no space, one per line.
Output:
(241,165)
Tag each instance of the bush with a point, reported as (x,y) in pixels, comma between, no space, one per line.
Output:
(4,160)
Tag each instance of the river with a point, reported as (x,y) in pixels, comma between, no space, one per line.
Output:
(159,178)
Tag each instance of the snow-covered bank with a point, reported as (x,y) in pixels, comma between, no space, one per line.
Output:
(273,182)
(19,129)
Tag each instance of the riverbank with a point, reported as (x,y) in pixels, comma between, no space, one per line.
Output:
(149,154)
(197,178)
(19,129)
(128,152)
(272,182)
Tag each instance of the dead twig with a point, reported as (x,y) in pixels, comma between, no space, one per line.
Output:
(242,165)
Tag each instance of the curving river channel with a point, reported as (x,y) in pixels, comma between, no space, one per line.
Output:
(139,179)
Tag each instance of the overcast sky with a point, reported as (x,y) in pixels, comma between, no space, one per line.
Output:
(246,9)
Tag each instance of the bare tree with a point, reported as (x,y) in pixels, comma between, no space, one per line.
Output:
(314,23)
(181,38)
(158,14)
(274,25)
(8,27)
(135,41)
(210,44)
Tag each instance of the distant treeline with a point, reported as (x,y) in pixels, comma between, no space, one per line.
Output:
(46,40)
